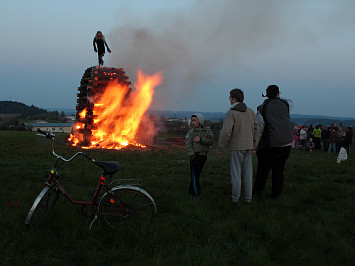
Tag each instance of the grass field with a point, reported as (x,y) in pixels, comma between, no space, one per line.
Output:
(311,224)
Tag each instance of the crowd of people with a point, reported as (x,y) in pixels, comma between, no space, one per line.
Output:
(268,133)
(327,138)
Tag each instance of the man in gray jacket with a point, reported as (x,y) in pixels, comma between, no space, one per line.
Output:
(241,130)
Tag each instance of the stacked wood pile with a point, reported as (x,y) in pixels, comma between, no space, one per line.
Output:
(92,86)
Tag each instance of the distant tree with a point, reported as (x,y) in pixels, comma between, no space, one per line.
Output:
(10,107)
(63,117)
(53,116)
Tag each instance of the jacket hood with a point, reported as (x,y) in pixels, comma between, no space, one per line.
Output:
(200,118)
(240,107)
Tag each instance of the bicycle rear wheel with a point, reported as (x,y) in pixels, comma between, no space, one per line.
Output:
(42,206)
(127,205)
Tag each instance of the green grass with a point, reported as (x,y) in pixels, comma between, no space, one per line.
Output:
(311,224)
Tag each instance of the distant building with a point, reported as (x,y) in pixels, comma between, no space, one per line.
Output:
(70,118)
(50,127)
(175,125)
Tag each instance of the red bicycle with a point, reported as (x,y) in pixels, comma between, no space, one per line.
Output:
(123,204)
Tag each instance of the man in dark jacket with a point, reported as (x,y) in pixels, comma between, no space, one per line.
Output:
(275,142)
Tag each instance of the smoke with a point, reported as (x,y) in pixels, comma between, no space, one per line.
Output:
(194,45)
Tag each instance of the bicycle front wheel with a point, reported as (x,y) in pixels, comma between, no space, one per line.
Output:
(42,206)
(127,205)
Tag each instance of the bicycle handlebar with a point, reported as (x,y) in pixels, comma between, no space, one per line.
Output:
(76,154)
(88,157)
(51,136)
(48,135)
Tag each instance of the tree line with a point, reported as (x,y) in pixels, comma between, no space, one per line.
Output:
(11,112)
(22,110)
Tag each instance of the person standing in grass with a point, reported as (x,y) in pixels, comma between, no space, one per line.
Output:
(241,131)
(303,137)
(333,140)
(349,138)
(317,133)
(296,138)
(275,143)
(325,137)
(198,142)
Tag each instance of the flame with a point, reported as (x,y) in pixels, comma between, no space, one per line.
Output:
(82,114)
(116,118)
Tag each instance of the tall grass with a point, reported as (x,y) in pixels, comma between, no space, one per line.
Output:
(311,224)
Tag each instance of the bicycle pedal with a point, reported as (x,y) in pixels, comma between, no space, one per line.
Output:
(95,218)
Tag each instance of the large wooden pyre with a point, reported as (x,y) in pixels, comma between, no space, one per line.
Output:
(92,86)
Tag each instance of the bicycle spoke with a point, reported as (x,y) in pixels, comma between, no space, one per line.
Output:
(127,204)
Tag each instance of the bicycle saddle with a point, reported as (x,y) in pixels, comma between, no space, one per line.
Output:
(109,167)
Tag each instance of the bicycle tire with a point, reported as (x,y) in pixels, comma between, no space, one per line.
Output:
(42,206)
(127,205)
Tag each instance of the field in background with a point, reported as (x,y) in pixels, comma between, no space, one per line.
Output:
(311,224)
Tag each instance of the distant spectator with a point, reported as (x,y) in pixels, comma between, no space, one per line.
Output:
(340,133)
(317,132)
(310,131)
(296,138)
(349,139)
(342,141)
(333,141)
(303,137)
(325,137)
(310,145)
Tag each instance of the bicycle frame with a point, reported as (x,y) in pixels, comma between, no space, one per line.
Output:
(52,180)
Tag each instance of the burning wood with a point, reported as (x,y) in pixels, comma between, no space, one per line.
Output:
(109,114)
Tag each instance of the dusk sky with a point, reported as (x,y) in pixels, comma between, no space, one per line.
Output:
(203,49)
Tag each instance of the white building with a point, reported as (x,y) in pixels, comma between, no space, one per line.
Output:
(50,127)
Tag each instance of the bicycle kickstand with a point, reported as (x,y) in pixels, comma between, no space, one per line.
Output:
(95,218)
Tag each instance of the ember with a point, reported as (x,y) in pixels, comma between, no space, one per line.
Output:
(109,114)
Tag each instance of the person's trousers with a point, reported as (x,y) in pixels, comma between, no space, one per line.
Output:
(326,145)
(273,158)
(317,145)
(332,147)
(196,165)
(241,166)
(101,61)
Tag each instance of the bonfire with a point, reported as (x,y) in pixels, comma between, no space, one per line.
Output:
(110,115)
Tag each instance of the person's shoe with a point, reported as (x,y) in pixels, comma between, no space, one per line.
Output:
(197,196)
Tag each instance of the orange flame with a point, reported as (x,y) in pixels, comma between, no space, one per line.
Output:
(117,119)
(82,114)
